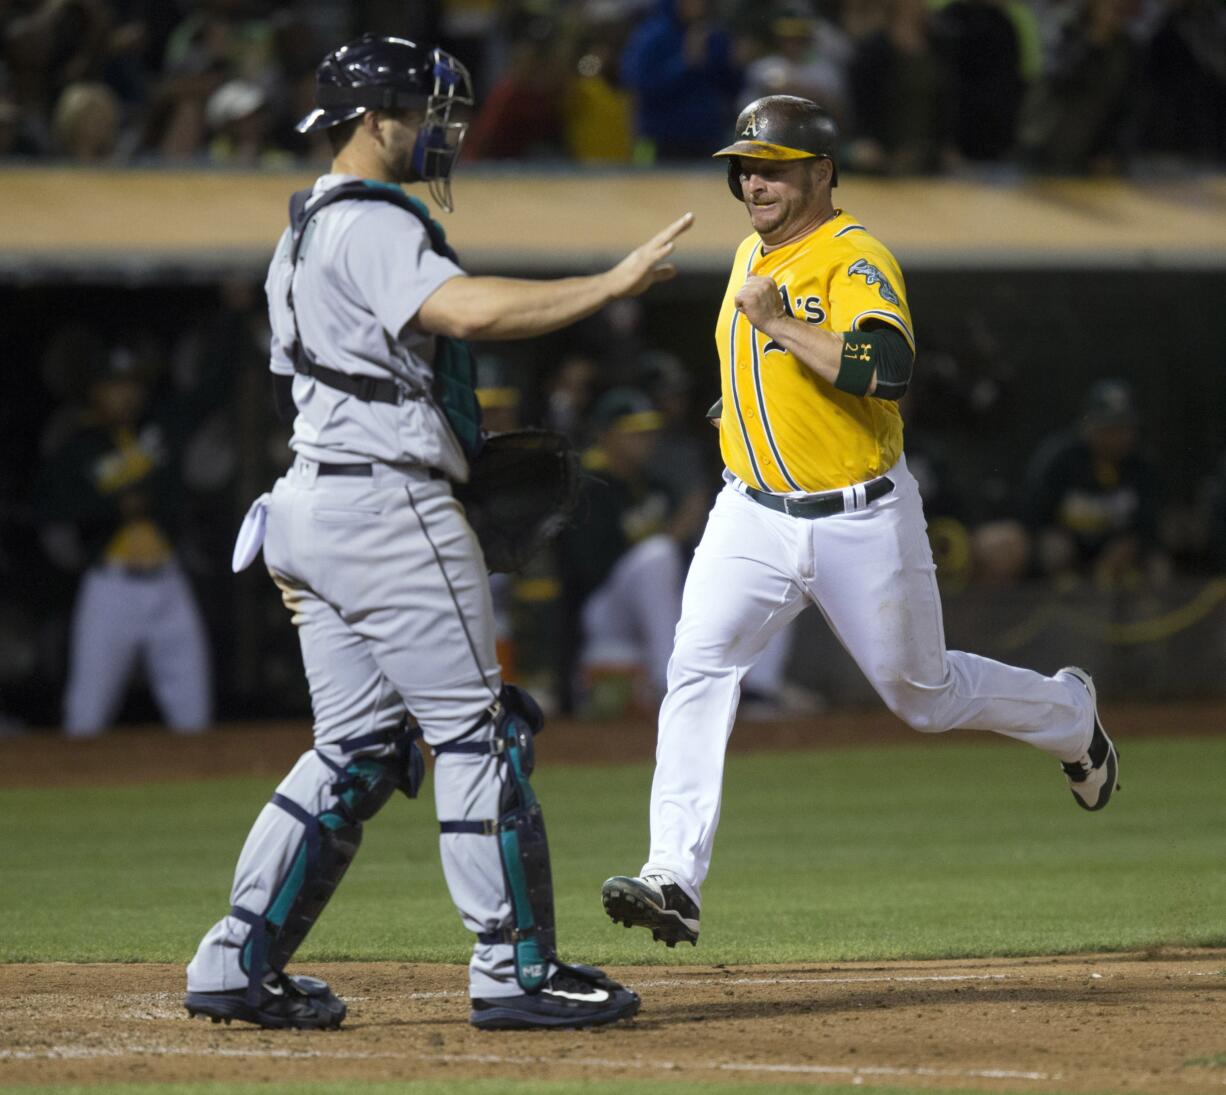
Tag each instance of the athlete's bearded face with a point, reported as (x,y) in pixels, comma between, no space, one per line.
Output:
(782,196)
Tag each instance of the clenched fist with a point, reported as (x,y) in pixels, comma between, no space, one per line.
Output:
(759,301)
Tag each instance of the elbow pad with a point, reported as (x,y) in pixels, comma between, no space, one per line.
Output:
(883,351)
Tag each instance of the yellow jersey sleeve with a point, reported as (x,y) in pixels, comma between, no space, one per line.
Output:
(866,286)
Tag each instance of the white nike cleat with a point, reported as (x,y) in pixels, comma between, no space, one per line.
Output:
(1095,775)
(653,901)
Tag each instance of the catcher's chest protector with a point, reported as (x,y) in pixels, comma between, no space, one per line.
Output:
(455,373)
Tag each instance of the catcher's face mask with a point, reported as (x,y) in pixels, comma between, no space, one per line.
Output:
(442,131)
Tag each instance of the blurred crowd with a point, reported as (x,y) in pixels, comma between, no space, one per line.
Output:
(156,432)
(152,437)
(919,86)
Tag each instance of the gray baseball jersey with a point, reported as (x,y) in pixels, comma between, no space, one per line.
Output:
(364,270)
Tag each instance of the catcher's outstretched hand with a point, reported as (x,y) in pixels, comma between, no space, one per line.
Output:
(646,265)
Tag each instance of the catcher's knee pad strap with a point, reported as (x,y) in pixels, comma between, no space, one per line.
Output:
(366,783)
(522,842)
(330,841)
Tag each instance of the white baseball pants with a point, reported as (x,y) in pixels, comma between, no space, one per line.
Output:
(632,618)
(870,573)
(122,618)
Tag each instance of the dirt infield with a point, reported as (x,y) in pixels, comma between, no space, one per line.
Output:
(1135,1023)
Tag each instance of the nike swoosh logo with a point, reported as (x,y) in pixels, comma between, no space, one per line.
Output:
(595,996)
(273,988)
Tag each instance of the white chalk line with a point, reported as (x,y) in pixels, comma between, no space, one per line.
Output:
(709,980)
(734,1066)
(85,1053)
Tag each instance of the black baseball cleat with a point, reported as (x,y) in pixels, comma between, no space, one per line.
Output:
(299,1003)
(575,996)
(654,902)
(1094,776)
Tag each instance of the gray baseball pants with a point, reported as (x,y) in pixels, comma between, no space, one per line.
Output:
(387,586)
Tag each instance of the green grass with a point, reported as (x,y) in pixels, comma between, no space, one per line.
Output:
(935,849)
(1216,1060)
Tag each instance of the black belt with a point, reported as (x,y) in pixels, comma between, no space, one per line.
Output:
(820,505)
(366,470)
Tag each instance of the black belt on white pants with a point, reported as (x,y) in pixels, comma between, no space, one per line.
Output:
(826,504)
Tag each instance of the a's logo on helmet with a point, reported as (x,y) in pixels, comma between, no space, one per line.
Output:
(873,276)
(751,126)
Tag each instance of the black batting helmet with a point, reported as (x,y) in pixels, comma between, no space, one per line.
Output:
(376,72)
(782,127)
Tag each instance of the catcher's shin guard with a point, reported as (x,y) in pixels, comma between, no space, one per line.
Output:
(329,842)
(520,829)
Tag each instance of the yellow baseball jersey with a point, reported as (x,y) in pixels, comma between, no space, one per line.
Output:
(783,428)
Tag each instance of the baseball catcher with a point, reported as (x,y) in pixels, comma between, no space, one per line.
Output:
(377,562)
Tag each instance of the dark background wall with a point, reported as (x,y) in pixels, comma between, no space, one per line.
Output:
(1006,357)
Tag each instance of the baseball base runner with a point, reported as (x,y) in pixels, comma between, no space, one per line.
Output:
(816,346)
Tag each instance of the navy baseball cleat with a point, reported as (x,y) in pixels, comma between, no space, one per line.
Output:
(299,1003)
(1094,776)
(575,996)
(653,901)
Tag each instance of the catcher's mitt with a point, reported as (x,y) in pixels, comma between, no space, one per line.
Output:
(521,489)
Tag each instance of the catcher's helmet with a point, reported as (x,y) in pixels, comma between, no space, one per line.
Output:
(381,73)
(782,127)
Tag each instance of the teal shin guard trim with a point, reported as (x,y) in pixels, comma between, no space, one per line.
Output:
(289,891)
(531,966)
(531,960)
(514,865)
(369,773)
(292,886)
(306,893)
(527,797)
